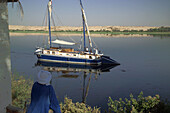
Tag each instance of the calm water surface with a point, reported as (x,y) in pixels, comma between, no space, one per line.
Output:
(145,66)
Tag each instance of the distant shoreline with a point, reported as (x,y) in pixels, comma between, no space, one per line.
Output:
(95,31)
(93,34)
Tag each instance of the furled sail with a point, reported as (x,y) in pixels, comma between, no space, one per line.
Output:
(85,20)
(63,42)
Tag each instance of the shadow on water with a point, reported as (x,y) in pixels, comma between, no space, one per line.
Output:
(161,35)
(72,71)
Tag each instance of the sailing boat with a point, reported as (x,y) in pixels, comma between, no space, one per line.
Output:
(68,55)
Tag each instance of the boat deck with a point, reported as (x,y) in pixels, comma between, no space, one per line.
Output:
(70,50)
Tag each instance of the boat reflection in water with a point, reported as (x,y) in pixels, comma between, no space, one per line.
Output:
(74,71)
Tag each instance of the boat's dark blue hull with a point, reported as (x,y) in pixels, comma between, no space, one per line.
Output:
(69,60)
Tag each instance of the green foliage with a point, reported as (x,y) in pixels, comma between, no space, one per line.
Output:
(126,31)
(21,90)
(160,29)
(139,105)
(70,107)
(115,30)
(134,31)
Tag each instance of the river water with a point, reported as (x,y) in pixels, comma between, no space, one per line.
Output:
(145,66)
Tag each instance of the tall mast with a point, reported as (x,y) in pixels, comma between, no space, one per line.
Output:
(84,33)
(85,26)
(49,19)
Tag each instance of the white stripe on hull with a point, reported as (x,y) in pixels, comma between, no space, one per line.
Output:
(70,62)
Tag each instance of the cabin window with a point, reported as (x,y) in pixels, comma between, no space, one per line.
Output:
(48,52)
(53,53)
(74,55)
(90,57)
(60,54)
(67,54)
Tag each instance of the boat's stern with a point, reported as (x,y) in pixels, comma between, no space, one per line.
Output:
(38,52)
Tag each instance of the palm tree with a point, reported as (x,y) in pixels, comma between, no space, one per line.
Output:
(20,5)
(12,0)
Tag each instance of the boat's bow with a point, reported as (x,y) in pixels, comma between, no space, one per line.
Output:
(108,60)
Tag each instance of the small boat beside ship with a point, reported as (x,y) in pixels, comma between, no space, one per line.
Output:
(88,56)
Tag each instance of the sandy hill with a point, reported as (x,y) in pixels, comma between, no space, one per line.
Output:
(94,28)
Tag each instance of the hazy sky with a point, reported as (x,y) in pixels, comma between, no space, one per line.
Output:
(98,12)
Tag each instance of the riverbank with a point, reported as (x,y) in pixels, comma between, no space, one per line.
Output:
(79,28)
(93,34)
(95,31)
(74,34)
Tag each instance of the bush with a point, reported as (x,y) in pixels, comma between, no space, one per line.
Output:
(70,107)
(21,90)
(139,105)
(160,29)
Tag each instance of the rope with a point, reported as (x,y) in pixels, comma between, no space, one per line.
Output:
(45,19)
(54,24)
(63,25)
